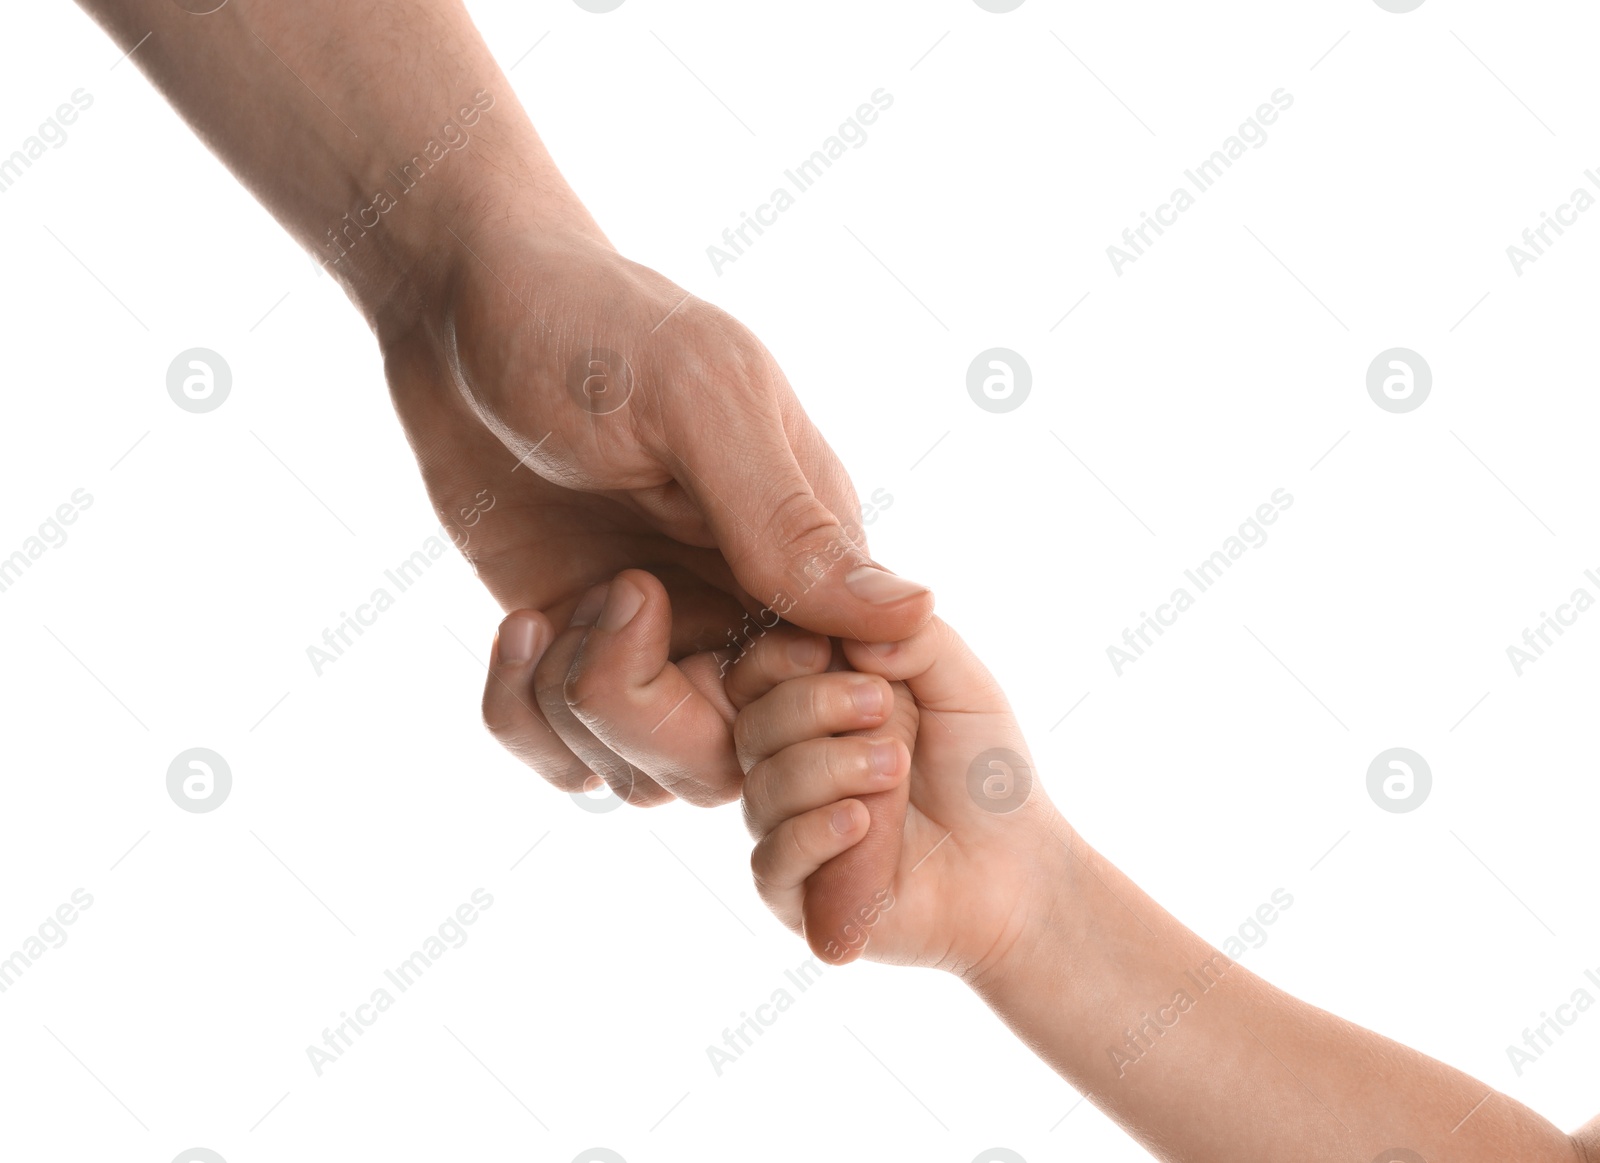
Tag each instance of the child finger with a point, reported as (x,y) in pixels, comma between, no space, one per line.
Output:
(782,653)
(940,669)
(797,847)
(807,708)
(816,772)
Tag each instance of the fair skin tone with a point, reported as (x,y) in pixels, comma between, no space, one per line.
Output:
(486,282)
(483,285)
(1063,947)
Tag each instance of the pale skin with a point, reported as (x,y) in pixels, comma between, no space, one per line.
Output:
(1064,948)
(485,282)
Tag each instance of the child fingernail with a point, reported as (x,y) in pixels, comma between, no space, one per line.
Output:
(622,603)
(867,697)
(885,759)
(843,820)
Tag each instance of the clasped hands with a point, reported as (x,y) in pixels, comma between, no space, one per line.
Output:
(679,550)
(869,783)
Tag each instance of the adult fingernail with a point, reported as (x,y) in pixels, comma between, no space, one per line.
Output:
(622,603)
(514,644)
(867,697)
(885,757)
(589,606)
(879,586)
(843,820)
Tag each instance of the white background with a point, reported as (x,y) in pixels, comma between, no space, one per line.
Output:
(1193,385)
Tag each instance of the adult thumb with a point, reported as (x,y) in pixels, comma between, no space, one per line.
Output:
(789,526)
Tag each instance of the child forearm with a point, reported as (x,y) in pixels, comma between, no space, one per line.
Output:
(1201,1060)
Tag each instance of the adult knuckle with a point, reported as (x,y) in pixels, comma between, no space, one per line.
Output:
(549,683)
(583,686)
(796,516)
(564,775)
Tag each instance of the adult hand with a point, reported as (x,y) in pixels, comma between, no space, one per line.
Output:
(385,138)
(616,422)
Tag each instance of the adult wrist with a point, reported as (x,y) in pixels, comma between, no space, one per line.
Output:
(421,217)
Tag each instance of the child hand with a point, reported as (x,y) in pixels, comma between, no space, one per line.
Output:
(978,839)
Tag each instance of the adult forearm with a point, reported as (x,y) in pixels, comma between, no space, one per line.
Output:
(1203,1061)
(369,128)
